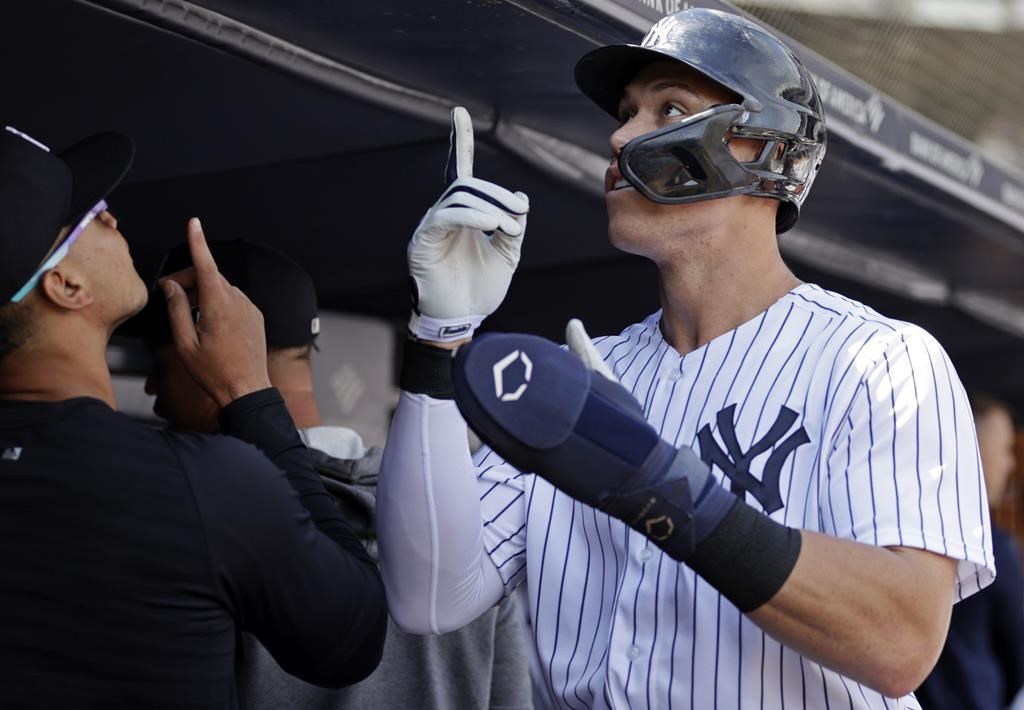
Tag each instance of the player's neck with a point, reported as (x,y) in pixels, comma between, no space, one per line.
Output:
(55,369)
(293,378)
(704,296)
(301,405)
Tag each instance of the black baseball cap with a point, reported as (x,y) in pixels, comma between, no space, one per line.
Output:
(42,191)
(275,283)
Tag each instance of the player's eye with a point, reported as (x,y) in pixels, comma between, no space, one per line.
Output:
(672,111)
(625,115)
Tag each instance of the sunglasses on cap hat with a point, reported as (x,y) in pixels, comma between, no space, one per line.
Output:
(61,251)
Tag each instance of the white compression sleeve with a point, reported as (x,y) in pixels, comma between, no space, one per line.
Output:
(429,529)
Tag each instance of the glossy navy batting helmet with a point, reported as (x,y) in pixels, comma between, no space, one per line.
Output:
(776,101)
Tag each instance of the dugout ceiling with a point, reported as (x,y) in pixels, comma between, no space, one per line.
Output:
(320,127)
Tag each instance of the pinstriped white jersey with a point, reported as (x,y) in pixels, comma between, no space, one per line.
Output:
(819,412)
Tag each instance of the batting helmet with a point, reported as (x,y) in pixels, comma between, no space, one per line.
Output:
(777,102)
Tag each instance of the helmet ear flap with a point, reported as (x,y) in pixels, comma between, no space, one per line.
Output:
(785,169)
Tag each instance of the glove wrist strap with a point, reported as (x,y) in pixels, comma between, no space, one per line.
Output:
(443,330)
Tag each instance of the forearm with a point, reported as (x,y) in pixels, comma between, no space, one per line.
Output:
(876,615)
(461,259)
(316,605)
(262,420)
(437,575)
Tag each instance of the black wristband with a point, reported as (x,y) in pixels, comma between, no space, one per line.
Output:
(748,557)
(426,369)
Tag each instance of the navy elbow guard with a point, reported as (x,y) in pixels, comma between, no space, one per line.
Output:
(545,412)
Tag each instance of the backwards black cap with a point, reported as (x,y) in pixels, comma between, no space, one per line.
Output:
(278,286)
(41,192)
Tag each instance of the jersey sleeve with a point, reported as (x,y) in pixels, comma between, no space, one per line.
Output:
(900,463)
(503,510)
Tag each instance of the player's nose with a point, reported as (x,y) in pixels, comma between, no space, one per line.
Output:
(630,129)
(618,140)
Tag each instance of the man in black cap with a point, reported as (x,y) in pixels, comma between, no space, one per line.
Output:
(132,558)
(425,672)
(284,294)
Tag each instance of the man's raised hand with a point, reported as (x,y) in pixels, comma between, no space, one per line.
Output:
(465,249)
(223,346)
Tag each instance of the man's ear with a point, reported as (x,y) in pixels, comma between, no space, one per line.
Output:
(65,287)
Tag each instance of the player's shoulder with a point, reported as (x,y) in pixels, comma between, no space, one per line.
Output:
(839,308)
(218,455)
(860,339)
(848,315)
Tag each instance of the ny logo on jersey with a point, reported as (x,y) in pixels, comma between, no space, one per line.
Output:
(735,463)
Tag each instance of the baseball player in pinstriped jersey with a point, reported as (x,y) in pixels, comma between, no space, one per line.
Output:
(765,495)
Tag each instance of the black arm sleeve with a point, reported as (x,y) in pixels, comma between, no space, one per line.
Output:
(262,419)
(288,567)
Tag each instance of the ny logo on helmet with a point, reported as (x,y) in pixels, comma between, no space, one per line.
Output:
(660,33)
(500,390)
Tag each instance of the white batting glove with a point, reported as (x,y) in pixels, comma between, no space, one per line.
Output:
(466,248)
(579,342)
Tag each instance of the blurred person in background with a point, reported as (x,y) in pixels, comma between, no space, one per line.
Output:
(482,665)
(982,663)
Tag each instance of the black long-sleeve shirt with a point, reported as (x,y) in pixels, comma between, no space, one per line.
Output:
(131,558)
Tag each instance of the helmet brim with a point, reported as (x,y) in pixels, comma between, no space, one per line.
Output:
(602,74)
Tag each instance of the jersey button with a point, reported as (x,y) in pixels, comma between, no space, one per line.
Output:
(673,375)
(646,554)
(633,653)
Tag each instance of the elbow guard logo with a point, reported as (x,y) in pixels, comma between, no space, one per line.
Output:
(501,390)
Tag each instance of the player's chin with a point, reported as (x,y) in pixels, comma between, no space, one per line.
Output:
(139,296)
(627,234)
(626,203)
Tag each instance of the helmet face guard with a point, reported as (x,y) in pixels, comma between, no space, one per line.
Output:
(687,161)
(691,161)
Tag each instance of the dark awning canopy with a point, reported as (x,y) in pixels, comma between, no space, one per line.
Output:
(321,128)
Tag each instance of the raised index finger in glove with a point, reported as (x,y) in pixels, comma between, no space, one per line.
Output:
(460,151)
